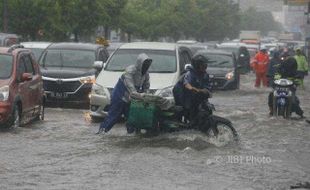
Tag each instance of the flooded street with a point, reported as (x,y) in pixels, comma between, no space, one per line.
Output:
(63,151)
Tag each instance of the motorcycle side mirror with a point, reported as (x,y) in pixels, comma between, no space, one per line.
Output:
(187,66)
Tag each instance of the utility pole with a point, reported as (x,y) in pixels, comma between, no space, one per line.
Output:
(5,16)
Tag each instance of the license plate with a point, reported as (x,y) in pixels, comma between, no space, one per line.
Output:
(59,95)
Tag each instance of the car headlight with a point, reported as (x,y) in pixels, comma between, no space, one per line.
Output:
(4,93)
(98,90)
(88,80)
(165,92)
(230,75)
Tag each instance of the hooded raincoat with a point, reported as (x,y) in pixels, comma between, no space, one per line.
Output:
(134,80)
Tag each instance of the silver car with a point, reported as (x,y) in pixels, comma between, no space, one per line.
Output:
(169,60)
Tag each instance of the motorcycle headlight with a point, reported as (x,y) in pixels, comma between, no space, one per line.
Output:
(230,75)
(88,80)
(165,92)
(98,90)
(4,93)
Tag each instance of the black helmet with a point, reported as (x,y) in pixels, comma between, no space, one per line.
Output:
(199,59)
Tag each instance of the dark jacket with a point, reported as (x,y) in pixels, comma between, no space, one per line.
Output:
(185,97)
(274,65)
(288,68)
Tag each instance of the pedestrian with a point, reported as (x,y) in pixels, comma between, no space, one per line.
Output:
(261,61)
(302,67)
(135,80)
(243,59)
(273,67)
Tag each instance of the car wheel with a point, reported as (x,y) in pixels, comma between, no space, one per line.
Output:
(42,112)
(16,117)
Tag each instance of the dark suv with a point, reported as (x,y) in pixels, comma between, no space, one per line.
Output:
(68,72)
(21,87)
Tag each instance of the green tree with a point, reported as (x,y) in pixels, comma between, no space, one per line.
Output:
(262,21)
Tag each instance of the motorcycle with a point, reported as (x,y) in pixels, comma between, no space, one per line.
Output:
(151,114)
(282,98)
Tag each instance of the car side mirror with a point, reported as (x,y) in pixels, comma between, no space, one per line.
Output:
(26,77)
(98,65)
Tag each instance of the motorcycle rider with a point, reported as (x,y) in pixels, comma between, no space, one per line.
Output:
(192,86)
(273,68)
(135,80)
(287,70)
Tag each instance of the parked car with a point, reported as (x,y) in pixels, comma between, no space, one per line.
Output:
(169,61)
(7,40)
(242,53)
(36,47)
(21,87)
(224,72)
(68,72)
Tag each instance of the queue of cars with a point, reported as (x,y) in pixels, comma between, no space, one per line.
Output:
(84,73)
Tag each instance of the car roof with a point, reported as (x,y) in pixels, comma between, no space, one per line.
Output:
(215,51)
(5,50)
(149,45)
(73,45)
(34,44)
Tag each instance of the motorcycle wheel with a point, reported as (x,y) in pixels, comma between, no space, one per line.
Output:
(281,111)
(221,127)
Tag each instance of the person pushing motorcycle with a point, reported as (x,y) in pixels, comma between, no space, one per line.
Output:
(193,86)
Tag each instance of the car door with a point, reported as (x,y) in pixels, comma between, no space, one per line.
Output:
(34,84)
(23,86)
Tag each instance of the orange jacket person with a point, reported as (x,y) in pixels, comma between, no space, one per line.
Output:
(261,62)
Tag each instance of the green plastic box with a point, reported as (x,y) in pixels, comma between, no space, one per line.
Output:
(142,115)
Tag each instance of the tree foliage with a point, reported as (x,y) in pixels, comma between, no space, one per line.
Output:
(60,20)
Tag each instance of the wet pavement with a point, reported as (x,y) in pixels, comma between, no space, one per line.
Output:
(63,151)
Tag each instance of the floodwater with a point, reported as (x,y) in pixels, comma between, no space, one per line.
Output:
(63,151)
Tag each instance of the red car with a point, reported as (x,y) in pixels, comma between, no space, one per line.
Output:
(21,87)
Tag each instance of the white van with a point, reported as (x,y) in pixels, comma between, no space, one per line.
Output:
(169,60)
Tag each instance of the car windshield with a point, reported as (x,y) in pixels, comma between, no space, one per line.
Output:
(37,52)
(220,60)
(69,58)
(230,49)
(5,66)
(164,61)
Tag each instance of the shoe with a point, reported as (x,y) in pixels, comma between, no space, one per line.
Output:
(130,129)
(270,111)
(101,129)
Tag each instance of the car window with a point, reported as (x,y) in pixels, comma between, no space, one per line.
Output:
(230,49)
(164,61)
(37,52)
(28,65)
(69,58)
(220,60)
(6,65)
(52,58)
